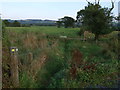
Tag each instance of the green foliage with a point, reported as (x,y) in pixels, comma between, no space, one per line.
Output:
(49,30)
(55,72)
(59,24)
(53,65)
(81,32)
(16,24)
(57,80)
(26,81)
(67,22)
(96,19)
(87,79)
(5,57)
(5,38)
(6,22)
(11,24)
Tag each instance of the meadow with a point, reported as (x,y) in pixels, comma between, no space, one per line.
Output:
(49,30)
(52,63)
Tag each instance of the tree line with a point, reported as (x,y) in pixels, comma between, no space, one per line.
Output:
(93,18)
(25,23)
(12,24)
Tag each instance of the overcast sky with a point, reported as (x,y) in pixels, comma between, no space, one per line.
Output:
(42,9)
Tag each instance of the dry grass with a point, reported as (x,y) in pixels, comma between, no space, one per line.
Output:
(36,65)
(55,43)
(30,41)
(88,35)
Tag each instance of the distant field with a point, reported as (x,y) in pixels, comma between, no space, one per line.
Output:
(52,30)
(49,30)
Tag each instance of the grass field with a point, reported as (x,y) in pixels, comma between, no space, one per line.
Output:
(49,30)
(52,65)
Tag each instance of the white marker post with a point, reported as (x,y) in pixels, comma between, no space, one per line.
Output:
(14,67)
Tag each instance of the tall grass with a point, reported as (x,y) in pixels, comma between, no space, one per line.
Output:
(54,71)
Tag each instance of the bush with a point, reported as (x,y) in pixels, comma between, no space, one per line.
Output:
(53,65)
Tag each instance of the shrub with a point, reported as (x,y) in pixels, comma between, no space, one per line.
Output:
(53,65)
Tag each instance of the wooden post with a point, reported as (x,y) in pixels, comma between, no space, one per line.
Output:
(14,67)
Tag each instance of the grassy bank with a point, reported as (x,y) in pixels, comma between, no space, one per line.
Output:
(53,58)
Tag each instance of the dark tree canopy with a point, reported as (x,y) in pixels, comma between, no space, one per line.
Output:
(118,23)
(10,24)
(66,22)
(96,19)
(16,24)
(6,22)
(59,23)
(118,18)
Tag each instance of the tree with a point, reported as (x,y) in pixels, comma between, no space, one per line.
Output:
(67,21)
(59,23)
(7,23)
(118,18)
(16,24)
(96,19)
(118,23)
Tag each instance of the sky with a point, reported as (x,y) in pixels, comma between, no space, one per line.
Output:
(44,9)
(119,8)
